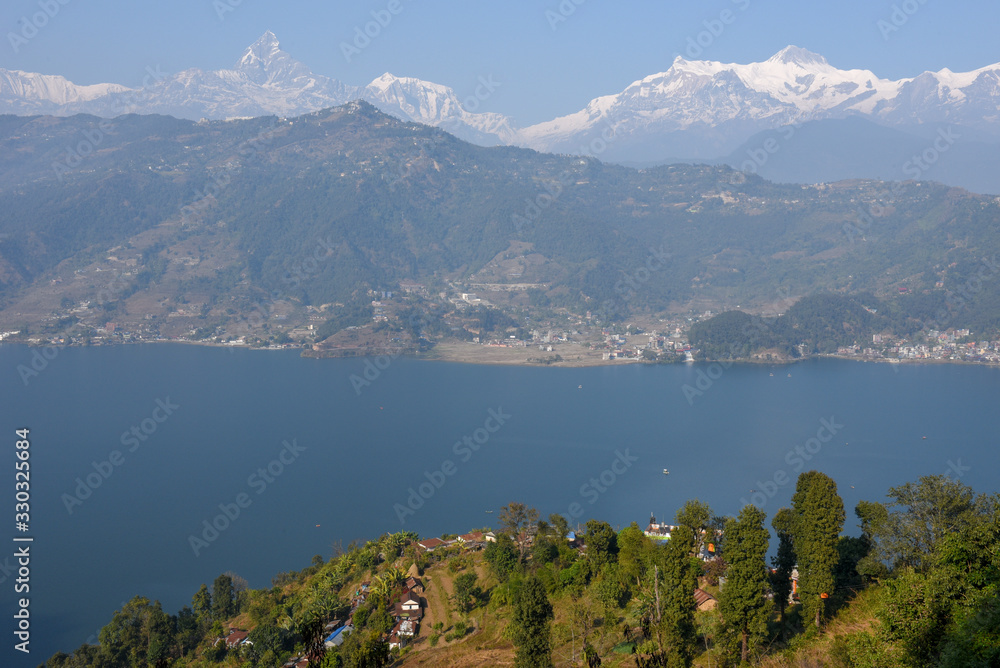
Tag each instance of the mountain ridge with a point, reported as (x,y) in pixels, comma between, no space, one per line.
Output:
(695,107)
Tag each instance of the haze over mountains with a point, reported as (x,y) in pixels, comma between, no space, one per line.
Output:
(701,111)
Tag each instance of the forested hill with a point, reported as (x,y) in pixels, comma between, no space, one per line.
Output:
(153,216)
(918,588)
(823,323)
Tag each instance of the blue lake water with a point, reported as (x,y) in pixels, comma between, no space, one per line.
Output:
(308,461)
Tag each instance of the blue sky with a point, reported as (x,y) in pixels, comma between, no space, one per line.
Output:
(545,67)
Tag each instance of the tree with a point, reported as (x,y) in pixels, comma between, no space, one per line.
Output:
(872,515)
(372,653)
(559,525)
(666,604)
(379,621)
(241,590)
(743,601)
(591,656)
(518,521)
(602,543)
(502,557)
(633,553)
(190,630)
(201,603)
(467,592)
(311,630)
(784,560)
(268,641)
(223,601)
(907,530)
(531,626)
(697,516)
(818,520)
(139,634)
(544,551)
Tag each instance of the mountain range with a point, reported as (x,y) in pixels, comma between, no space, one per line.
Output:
(178,226)
(696,111)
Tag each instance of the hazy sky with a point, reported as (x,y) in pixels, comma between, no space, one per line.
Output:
(546,66)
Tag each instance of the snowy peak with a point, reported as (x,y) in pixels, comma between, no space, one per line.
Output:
(794,55)
(261,52)
(433,104)
(265,63)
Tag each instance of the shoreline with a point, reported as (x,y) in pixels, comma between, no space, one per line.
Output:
(460,352)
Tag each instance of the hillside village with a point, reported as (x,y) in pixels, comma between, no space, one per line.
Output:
(410,603)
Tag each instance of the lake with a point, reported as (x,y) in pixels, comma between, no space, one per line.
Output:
(155,468)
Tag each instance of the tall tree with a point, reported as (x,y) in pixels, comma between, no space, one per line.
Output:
(697,516)
(667,604)
(223,600)
(519,521)
(531,626)
(784,560)
(602,543)
(819,519)
(633,553)
(201,603)
(743,600)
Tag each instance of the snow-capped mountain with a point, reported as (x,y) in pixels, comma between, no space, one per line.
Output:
(30,93)
(265,80)
(703,108)
(695,109)
(433,104)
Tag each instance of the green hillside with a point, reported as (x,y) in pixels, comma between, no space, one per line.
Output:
(917,588)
